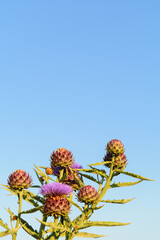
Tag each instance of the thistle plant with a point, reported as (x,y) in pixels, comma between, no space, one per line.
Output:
(62,189)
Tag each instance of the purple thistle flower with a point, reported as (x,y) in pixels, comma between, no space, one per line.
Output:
(76,166)
(56,189)
(73,166)
(56,170)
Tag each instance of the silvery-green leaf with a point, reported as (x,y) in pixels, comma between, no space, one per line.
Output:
(54,226)
(97,164)
(32,210)
(134,175)
(89,235)
(29,229)
(102,224)
(4,224)
(124,184)
(8,232)
(120,201)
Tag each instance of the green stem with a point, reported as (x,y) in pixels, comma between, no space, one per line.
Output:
(104,190)
(89,213)
(83,215)
(42,226)
(20,197)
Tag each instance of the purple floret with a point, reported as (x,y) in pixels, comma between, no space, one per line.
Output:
(56,170)
(56,188)
(76,166)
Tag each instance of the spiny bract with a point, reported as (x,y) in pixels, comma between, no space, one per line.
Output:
(87,194)
(68,176)
(61,158)
(19,180)
(120,161)
(56,206)
(115,146)
(71,181)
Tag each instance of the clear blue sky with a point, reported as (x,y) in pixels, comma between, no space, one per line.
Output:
(76,74)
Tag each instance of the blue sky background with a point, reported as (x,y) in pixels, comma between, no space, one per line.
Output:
(76,74)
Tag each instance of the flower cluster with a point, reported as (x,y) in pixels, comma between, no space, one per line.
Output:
(115,152)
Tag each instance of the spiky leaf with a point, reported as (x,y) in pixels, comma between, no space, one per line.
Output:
(41,173)
(97,208)
(8,232)
(32,210)
(54,226)
(75,204)
(124,184)
(95,171)
(89,235)
(4,225)
(135,175)
(120,201)
(97,164)
(64,176)
(79,182)
(28,228)
(89,177)
(102,224)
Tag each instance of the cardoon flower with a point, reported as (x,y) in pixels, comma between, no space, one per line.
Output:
(56,189)
(56,202)
(115,146)
(87,194)
(19,180)
(56,206)
(61,158)
(76,166)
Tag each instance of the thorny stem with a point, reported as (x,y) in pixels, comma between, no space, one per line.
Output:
(42,226)
(20,196)
(104,190)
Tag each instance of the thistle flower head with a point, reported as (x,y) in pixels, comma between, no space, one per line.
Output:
(56,189)
(19,180)
(115,146)
(61,158)
(87,194)
(56,206)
